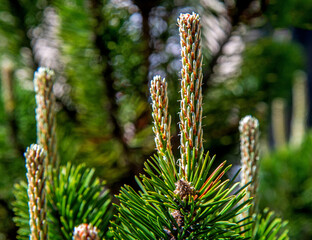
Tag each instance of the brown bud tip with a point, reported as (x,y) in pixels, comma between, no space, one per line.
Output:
(248,122)
(187,19)
(35,157)
(85,232)
(184,189)
(178,217)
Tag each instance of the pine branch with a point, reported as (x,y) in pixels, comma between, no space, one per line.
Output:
(191,90)
(162,121)
(35,163)
(45,115)
(193,203)
(77,197)
(249,145)
(165,210)
(21,210)
(265,225)
(268,226)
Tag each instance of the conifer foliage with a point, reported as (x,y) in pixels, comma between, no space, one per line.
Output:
(72,195)
(36,191)
(264,225)
(180,198)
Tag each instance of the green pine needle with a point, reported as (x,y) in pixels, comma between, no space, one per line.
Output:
(79,197)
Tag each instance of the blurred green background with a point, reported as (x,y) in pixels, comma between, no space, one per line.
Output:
(257,60)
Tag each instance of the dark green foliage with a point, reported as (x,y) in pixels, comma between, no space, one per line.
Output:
(88,136)
(286,187)
(12,165)
(152,213)
(21,210)
(77,197)
(107,84)
(268,226)
(270,76)
(260,81)
(290,13)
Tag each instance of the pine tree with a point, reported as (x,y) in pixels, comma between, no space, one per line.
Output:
(180,198)
(74,196)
